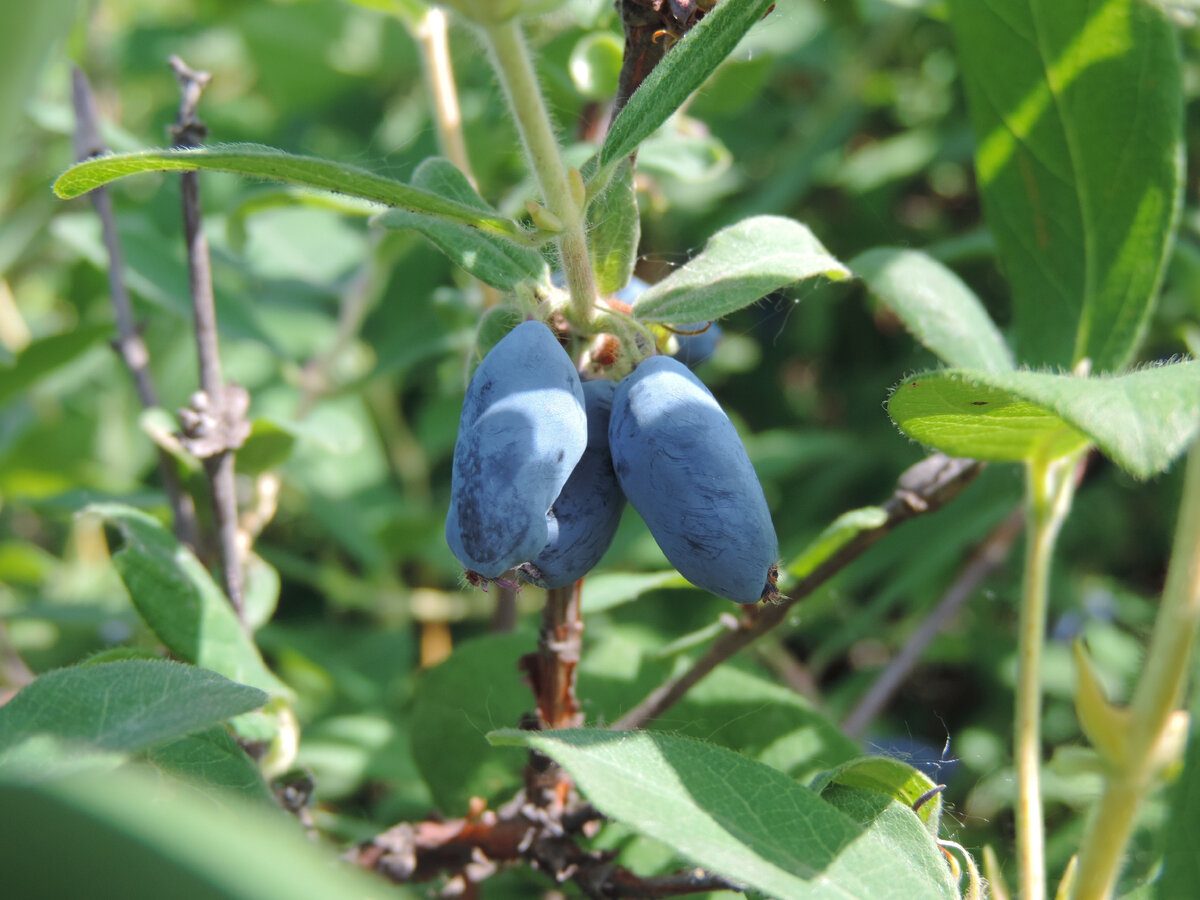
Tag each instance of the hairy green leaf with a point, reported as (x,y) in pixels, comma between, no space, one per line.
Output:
(744,820)
(493,260)
(935,306)
(258,161)
(1142,420)
(210,758)
(1077,112)
(738,266)
(177,598)
(685,67)
(614,229)
(122,706)
(836,535)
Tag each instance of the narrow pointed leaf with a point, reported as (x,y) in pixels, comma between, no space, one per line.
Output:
(1142,420)
(614,229)
(180,602)
(257,161)
(738,266)
(493,260)
(122,706)
(685,67)
(1077,112)
(745,820)
(935,306)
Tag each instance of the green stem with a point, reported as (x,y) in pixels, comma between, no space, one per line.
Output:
(1050,485)
(514,66)
(1154,700)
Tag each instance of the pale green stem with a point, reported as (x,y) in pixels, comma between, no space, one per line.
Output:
(1154,700)
(1050,485)
(430,34)
(519,80)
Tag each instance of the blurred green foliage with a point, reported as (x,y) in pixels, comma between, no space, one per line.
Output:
(354,346)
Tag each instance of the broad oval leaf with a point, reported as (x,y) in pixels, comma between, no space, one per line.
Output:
(1077,112)
(1142,420)
(738,266)
(123,706)
(685,67)
(935,306)
(745,820)
(493,260)
(893,778)
(258,161)
(178,599)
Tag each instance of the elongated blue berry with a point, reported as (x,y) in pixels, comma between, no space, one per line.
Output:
(522,430)
(683,467)
(589,508)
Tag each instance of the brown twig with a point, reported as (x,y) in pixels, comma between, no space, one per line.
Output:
(473,848)
(923,488)
(651,28)
(986,559)
(215,424)
(551,669)
(128,344)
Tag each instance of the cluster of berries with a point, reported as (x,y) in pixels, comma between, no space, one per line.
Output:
(544,463)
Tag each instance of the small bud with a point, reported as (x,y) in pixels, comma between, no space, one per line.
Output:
(543,218)
(1106,725)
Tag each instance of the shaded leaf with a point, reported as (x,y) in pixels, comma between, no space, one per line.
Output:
(738,266)
(1142,420)
(1077,113)
(494,260)
(935,306)
(743,820)
(611,589)
(210,758)
(177,598)
(152,838)
(457,702)
(684,68)
(45,355)
(122,706)
(258,161)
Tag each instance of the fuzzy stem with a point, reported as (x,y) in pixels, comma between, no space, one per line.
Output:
(1050,486)
(1155,698)
(514,66)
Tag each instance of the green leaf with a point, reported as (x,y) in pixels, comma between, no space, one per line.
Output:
(894,779)
(153,838)
(45,355)
(836,535)
(457,702)
(267,447)
(743,820)
(935,306)
(1077,112)
(122,706)
(614,229)
(177,598)
(210,758)
(614,588)
(1142,420)
(684,68)
(738,266)
(258,161)
(494,260)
